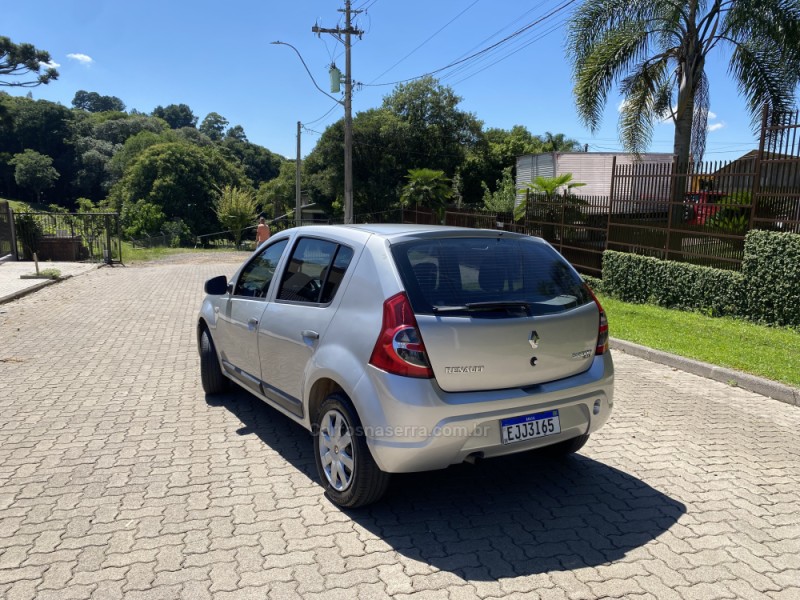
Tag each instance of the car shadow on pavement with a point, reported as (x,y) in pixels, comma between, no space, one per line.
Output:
(505,517)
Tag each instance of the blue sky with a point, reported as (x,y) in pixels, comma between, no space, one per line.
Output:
(217,56)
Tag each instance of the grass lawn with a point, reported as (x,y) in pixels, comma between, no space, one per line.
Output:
(20,206)
(137,255)
(770,352)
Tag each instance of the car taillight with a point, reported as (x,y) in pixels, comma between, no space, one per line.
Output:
(602,332)
(399,349)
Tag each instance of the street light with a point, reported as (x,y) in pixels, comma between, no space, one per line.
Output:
(348,124)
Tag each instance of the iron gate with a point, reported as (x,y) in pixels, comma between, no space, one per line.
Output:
(7,245)
(73,237)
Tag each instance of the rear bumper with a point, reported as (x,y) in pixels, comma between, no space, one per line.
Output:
(412,425)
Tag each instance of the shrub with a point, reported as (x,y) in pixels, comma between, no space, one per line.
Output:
(594,283)
(141,218)
(641,279)
(733,213)
(29,232)
(771,269)
(178,233)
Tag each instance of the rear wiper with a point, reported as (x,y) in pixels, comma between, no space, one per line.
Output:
(485,306)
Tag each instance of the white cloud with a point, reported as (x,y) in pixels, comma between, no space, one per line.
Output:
(715,127)
(81,58)
(51,65)
(712,115)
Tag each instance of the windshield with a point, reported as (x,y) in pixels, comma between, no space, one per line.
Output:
(487,276)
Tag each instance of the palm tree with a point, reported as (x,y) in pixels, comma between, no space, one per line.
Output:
(550,185)
(427,187)
(236,208)
(555,205)
(657,49)
(559,142)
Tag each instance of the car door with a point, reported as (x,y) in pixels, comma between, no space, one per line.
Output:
(240,315)
(296,320)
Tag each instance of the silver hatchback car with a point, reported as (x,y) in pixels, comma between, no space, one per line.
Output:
(408,348)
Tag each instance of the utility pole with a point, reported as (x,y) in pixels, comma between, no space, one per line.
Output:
(348,32)
(297,198)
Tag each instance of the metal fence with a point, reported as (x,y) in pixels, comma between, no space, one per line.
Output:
(777,186)
(90,237)
(7,246)
(698,214)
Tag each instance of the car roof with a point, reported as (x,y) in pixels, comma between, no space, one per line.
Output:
(401,230)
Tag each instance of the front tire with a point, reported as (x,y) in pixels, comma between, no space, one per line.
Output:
(347,471)
(214,382)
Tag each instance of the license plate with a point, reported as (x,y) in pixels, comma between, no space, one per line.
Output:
(529,427)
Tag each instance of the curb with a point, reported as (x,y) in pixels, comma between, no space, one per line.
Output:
(752,383)
(35,288)
(32,289)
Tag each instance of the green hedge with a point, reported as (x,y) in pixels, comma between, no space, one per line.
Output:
(641,279)
(595,283)
(771,269)
(767,289)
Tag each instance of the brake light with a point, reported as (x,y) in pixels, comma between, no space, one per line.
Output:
(399,349)
(602,332)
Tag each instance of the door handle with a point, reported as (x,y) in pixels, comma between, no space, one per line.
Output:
(252,324)
(312,335)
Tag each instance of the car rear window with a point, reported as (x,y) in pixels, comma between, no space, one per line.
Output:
(506,276)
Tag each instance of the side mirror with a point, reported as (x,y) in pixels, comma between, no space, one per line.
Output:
(216,286)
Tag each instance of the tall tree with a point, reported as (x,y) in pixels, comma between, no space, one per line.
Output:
(45,127)
(180,179)
(437,133)
(214,126)
(94,102)
(176,115)
(34,171)
(496,150)
(25,61)
(419,125)
(657,51)
(259,164)
(236,133)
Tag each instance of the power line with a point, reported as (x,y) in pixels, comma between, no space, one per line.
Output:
(502,29)
(500,54)
(330,110)
(520,31)
(366,6)
(437,32)
(510,54)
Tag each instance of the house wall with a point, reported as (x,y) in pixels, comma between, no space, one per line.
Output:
(591,168)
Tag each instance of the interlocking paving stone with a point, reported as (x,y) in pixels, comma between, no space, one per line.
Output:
(119,479)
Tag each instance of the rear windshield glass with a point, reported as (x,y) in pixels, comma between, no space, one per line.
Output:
(487,277)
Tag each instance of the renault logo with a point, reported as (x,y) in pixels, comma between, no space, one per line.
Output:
(534,339)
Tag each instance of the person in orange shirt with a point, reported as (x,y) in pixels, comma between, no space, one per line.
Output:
(262,231)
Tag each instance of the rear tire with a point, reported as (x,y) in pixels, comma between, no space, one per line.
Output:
(567,447)
(214,382)
(347,471)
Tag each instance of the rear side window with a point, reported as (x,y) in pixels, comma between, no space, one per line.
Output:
(315,271)
(256,277)
(483,276)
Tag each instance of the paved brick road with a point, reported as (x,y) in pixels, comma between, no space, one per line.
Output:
(117,479)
